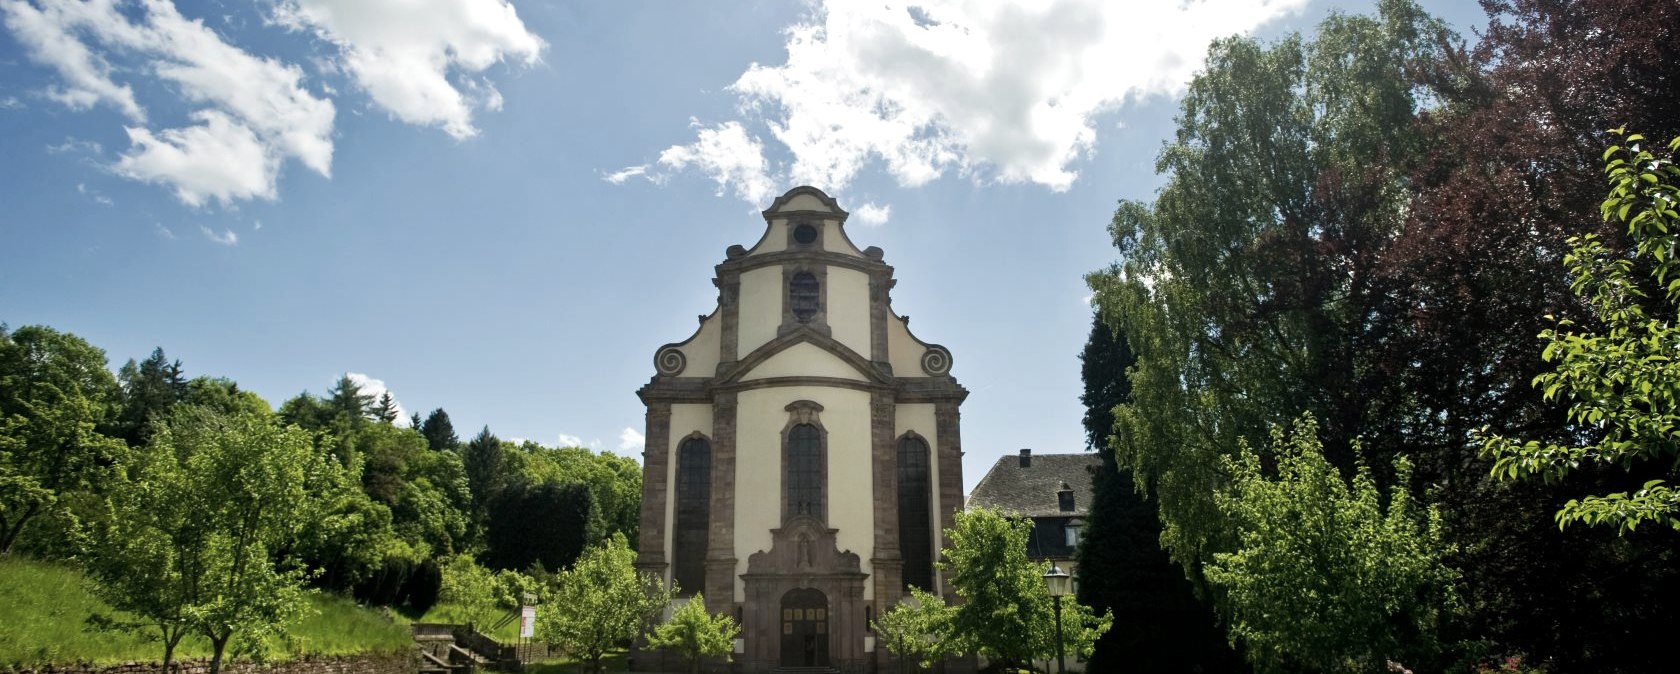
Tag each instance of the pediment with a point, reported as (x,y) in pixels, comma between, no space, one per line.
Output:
(804,359)
(804,545)
(806,353)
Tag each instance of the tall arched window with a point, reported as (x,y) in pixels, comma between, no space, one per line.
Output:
(915,525)
(693,515)
(804,295)
(804,471)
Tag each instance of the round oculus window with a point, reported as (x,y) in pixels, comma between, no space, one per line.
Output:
(805,234)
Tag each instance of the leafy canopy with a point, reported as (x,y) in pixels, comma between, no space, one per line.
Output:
(696,634)
(1323,577)
(600,603)
(1006,614)
(199,522)
(1621,373)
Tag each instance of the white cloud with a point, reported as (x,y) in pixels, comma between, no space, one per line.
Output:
(405,53)
(255,112)
(631,440)
(872,214)
(97,196)
(220,159)
(571,441)
(732,158)
(618,177)
(999,91)
(73,144)
(226,238)
(164,232)
(376,388)
(11,103)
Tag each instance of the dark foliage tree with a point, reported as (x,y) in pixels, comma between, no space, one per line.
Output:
(424,583)
(1159,625)
(305,411)
(348,405)
(1513,174)
(414,421)
(149,389)
(486,475)
(547,524)
(386,409)
(440,434)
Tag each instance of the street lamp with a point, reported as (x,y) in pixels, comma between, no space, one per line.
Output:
(1061,585)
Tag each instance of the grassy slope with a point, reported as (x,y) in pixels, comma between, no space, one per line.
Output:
(452,614)
(45,608)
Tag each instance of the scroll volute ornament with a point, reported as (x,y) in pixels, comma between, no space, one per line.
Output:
(936,360)
(670,361)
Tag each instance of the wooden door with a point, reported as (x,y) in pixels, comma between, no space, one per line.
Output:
(805,621)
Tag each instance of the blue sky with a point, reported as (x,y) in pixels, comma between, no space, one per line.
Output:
(504,209)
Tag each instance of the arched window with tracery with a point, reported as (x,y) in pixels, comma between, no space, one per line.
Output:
(804,295)
(804,471)
(915,523)
(693,514)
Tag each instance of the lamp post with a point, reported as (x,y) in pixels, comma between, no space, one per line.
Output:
(1061,585)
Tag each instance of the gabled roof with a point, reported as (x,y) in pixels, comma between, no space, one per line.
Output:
(1031,491)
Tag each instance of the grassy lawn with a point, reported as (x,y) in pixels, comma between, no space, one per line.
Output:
(46,606)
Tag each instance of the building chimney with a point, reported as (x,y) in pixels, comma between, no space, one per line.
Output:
(1026,458)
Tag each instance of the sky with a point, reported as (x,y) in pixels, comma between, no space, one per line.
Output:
(504,208)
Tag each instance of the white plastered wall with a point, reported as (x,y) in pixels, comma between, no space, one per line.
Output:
(761,308)
(919,417)
(903,351)
(804,359)
(761,416)
(848,308)
(702,351)
(685,420)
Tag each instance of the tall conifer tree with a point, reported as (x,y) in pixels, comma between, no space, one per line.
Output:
(1159,626)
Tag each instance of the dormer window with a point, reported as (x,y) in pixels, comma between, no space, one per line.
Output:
(1064,498)
(1071,531)
(803,296)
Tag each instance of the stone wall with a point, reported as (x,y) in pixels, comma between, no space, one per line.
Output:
(405,662)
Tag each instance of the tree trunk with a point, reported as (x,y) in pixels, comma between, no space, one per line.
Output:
(217,645)
(9,535)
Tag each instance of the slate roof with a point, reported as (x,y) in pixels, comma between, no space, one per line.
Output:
(1031,491)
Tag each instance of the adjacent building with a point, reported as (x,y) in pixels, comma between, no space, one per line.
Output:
(1052,489)
(803,446)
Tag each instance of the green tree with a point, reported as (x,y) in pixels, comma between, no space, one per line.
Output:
(386,409)
(1006,614)
(485,462)
(547,524)
(1159,623)
(440,434)
(472,589)
(198,520)
(600,604)
(223,395)
(54,395)
(614,482)
(1248,286)
(695,634)
(1619,372)
(348,405)
(914,630)
(149,388)
(1324,577)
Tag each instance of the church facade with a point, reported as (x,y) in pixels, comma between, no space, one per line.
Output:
(803,447)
